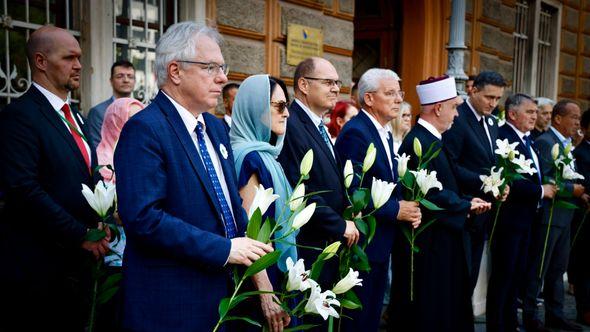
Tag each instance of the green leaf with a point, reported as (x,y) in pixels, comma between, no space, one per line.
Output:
(362,261)
(246,319)
(223,307)
(316,268)
(361,225)
(95,234)
(236,275)
(348,213)
(421,228)
(111,281)
(352,300)
(360,199)
(264,234)
(429,205)
(565,205)
(300,328)
(415,249)
(254,225)
(407,234)
(262,263)
(372,222)
(105,296)
(348,304)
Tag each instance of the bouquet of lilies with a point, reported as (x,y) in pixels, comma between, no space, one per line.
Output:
(510,167)
(417,184)
(563,163)
(102,200)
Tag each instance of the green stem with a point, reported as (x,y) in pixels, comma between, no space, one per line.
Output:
(331,324)
(580,228)
(412,265)
(229,304)
(498,207)
(94,294)
(340,320)
(547,237)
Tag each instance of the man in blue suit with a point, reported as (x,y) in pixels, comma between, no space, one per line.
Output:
(565,121)
(511,240)
(471,143)
(381,98)
(177,191)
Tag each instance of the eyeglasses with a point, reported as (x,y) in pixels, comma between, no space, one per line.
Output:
(326,81)
(212,67)
(280,105)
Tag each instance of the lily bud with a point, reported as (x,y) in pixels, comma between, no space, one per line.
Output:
(297,197)
(306,163)
(331,250)
(369,158)
(567,149)
(417,147)
(348,174)
(346,283)
(511,155)
(303,217)
(555,151)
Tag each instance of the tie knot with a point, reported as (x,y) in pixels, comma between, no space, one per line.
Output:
(200,128)
(66,108)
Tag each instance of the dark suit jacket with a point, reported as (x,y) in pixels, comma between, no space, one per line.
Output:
(520,208)
(582,155)
(352,144)
(176,244)
(327,224)
(41,171)
(95,120)
(544,144)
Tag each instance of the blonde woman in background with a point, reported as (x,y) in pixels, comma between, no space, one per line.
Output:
(401,125)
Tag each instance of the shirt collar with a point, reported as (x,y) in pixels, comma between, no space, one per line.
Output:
(430,128)
(227,119)
(564,141)
(314,117)
(56,102)
(383,130)
(520,134)
(477,115)
(189,120)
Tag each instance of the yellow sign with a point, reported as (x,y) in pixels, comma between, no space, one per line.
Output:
(303,42)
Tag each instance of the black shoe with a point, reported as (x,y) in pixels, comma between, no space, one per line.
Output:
(534,325)
(562,324)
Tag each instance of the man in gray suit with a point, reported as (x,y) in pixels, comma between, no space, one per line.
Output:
(565,121)
(123,82)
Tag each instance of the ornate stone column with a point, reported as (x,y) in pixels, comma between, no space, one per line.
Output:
(457,45)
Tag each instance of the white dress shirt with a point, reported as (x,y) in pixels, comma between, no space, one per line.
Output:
(316,120)
(485,125)
(190,123)
(521,135)
(564,141)
(57,103)
(384,135)
(227,119)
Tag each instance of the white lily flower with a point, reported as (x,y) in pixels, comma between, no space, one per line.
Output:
(303,216)
(298,276)
(506,149)
(426,180)
(297,197)
(346,283)
(570,174)
(102,198)
(525,166)
(555,151)
(348,174)
(331,250)
(321,303)
(262,200)
(380,192)
(402,164)
(369,158)
(306,163)
(417,147)
(492,182)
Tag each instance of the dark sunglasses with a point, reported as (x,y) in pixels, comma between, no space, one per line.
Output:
(280,105)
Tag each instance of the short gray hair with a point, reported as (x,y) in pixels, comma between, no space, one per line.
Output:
(542,101)
(370,80)
(179,42)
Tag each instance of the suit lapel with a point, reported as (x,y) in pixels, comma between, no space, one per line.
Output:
(314,132)
(479,131)
(188,145)
(376,139)
(51,115)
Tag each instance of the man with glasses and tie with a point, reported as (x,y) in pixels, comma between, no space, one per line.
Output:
(316,86)
(381,98)
(471,143)
(511,236)
(45,157)
(178,195)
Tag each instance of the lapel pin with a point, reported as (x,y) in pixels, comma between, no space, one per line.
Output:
(490,122)
(223,151)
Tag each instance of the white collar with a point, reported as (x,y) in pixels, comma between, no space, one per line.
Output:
(430,128)
(477,115)
(564,141)
(227,119)
(189,120)
(314,117)
(383,130)
(56,102)
(520,134)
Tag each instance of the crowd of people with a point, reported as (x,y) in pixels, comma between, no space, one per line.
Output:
(185,180)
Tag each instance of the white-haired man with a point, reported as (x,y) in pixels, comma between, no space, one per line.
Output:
(442,298)
(545,106)
(177,191)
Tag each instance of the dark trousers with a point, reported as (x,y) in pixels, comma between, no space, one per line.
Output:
(371,295)
(556,261)
(579,267)
(508,256)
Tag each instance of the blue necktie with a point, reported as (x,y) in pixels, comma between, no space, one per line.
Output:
(392,154)
(324,135)
(228,220)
